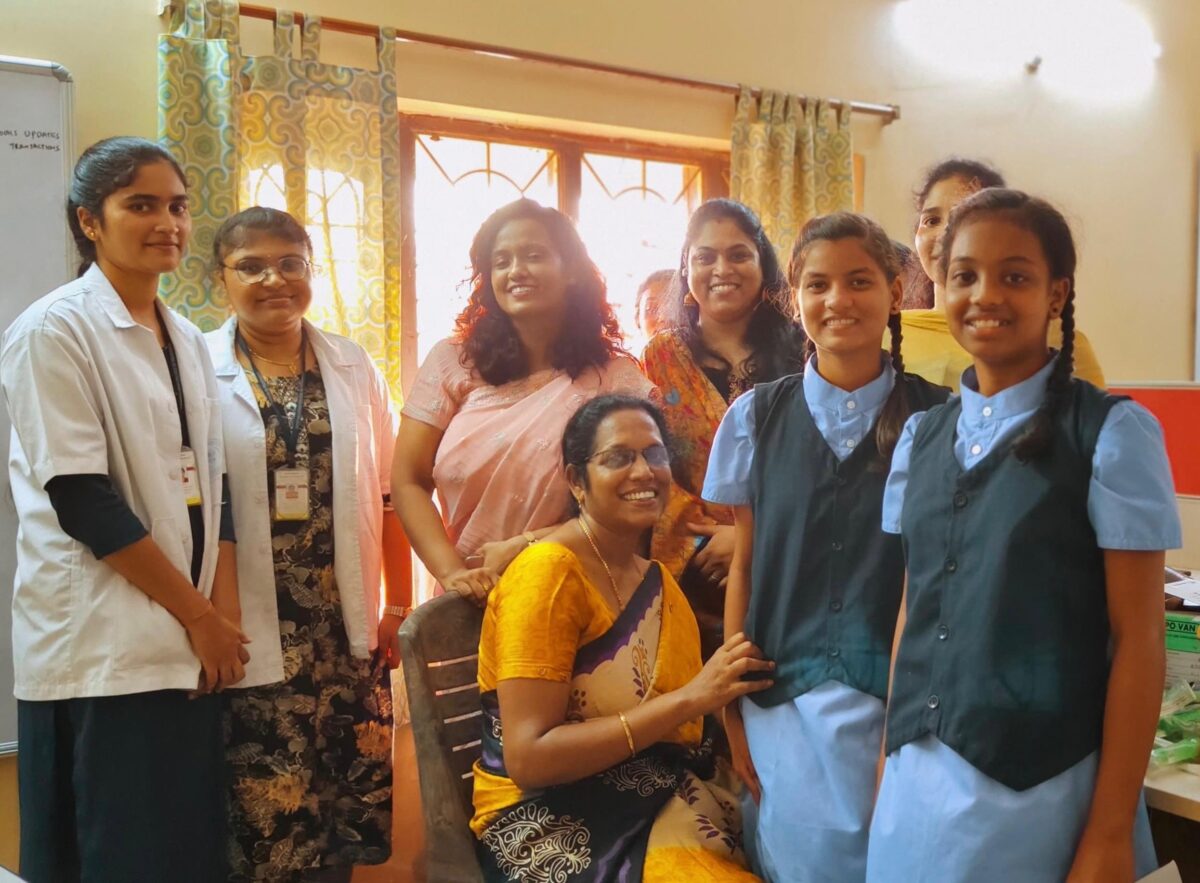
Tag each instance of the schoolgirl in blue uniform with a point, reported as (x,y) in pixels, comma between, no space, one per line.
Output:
(803,460)
(1034,512)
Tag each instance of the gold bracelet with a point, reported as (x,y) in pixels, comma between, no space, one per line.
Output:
(397,610)
(628,733)
(530,539)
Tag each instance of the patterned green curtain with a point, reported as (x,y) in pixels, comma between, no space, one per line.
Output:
(196,122)
(320,141)
(790,160)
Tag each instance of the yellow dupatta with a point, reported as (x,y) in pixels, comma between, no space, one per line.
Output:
(932,352)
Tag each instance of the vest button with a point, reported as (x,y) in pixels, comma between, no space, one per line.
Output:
(943,632)
(960,500)
(834,653)
(951,565)
(933,701)
(835,606)
(836,546)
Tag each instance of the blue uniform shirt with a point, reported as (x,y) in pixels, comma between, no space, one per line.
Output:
(824,742)
(939,818)
(843,419)
(1131,500)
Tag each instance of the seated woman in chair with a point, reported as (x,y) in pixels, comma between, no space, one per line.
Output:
(590,655)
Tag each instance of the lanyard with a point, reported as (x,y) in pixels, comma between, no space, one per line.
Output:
(176,382)
(289,429)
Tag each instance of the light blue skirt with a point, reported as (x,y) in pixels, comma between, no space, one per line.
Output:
(938,818)
(816,757)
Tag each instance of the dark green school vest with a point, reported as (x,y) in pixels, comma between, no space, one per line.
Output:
(826,579)
(1004,656)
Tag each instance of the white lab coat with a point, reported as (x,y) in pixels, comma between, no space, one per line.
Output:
(364,431)
(88,391)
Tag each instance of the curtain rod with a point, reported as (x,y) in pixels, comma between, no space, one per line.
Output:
(888,112)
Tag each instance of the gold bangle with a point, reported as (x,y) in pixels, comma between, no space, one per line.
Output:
(530,539)
(397,610)
(628,733)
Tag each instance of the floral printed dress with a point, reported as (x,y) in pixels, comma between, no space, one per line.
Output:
(309,759)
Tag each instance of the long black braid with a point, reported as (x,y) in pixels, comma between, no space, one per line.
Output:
(846,225)
(896,409)
(1054,233)
(1036,439)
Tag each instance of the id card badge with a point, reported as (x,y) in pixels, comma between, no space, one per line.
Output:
(190,477)
(291,494)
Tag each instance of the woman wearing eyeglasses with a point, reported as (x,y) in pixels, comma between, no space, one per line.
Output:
(309,435)
(593,765)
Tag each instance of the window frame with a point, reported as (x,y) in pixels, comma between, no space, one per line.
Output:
(568,148)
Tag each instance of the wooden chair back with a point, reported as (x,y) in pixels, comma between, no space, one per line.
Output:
(439,643)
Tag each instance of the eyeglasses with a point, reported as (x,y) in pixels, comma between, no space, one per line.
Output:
(656,457)
(290,269)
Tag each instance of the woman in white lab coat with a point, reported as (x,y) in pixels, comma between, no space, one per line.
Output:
(123,604)
(309,433)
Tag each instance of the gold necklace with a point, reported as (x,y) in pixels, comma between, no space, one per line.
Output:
(292,365)
(592,542)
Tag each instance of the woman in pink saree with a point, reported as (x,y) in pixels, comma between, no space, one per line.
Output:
(482,423)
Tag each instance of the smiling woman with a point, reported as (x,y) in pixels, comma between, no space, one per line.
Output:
(732,328)
(484,416)
(929,348)
(124,553)
(308,437)
(593,690)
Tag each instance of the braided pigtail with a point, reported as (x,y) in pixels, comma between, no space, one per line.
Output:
(896,409)
(1053,232)
(845,225)
(1038,437)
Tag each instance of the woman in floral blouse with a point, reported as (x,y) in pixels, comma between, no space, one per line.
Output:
(308,441)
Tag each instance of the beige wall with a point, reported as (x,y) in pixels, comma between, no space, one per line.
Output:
(1126,177)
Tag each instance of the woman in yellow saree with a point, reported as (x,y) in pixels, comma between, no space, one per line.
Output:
(594,766)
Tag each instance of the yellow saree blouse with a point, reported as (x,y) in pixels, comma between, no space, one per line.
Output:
(546,621)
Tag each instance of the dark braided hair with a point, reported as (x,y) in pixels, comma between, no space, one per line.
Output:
(103,169)
(877,244)
(776,341)
(1054,233)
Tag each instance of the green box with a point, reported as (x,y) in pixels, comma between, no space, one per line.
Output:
(1183,647)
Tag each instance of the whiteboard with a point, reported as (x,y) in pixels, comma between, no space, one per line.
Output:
(37,255)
